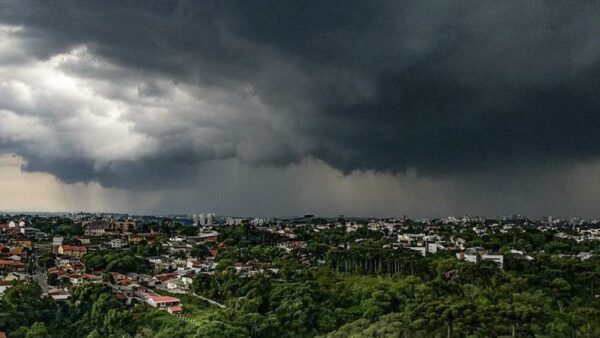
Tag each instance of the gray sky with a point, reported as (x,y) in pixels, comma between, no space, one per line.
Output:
(286,107)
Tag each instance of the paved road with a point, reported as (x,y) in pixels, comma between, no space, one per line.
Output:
(209,300)
(191,293)
(40,277)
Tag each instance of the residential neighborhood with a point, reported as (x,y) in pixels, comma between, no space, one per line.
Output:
(173,264)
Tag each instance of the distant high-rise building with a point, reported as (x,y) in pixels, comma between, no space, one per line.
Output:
(209,219)
(202,219)
(195,219)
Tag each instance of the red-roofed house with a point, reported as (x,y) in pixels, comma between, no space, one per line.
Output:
(175,310)
(125,281)
(59,294)
(72,250)
(74,267)
(9,266)
(77,278)
(162,302)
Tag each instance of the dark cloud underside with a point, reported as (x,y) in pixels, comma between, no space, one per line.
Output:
(443,88)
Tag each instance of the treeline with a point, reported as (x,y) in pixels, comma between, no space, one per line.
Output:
(366,258)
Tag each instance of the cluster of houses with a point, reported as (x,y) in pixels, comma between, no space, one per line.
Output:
(174,269)
(169,273)
(581,235)
(173,272)
(14,255)
(21,229)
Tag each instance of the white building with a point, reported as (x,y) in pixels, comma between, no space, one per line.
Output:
(420,249)
(175,284)
(498,259)
(117,243)
(162,302)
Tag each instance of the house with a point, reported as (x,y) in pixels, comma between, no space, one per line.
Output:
(163,278)
(241,267)
(138,238)
(208,236)
(58,294)
(4,284)
(162,302)
(498,259)
(58,271)
(420,249)
(72,250)
(18,276)
(175,310)
(11,266)
(156,260)
(97,228)
(291,245)
(18,250)
(57,240)
(15,258)
(26,243)
(199,266)
(117,276)
(175,284)
(459,242)
(125,281)
(30,232)
(476,254)
(433,247)
(122,297)
(74,266)
(161,263)
(193,263)
(585,255)
(187,280)
(56,243)
(77,278)
(83,240)
(175,248)
(124,225)
(116,243)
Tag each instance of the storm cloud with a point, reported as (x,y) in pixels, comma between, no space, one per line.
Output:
(147,95)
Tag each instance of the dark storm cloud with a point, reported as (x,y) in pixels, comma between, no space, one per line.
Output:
(441,87)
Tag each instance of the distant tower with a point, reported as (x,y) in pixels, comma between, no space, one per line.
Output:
(209,219)
(202,219)
(195,219)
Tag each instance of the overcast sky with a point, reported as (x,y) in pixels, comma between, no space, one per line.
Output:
(368,108)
